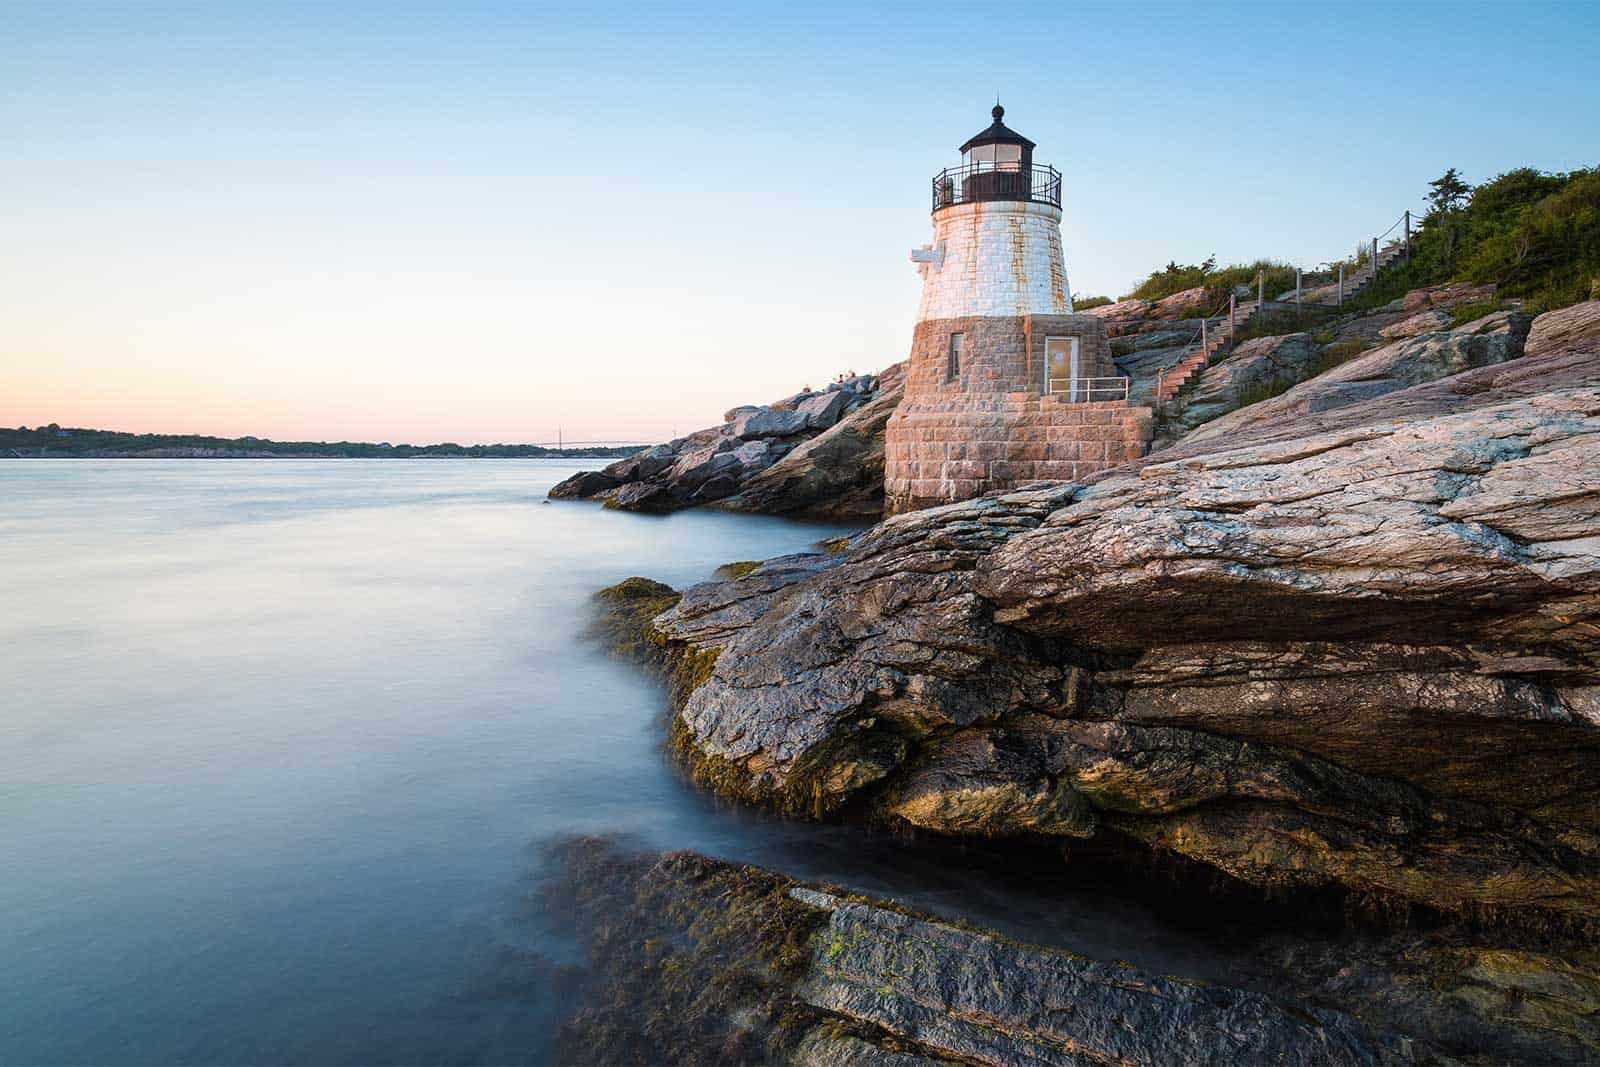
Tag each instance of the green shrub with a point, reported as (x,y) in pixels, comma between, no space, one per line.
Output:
(1084,303)
(1462,314)
(1218,283)
(1535,235)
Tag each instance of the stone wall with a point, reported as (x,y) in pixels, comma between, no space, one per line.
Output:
(940,449)
(991,428)
(1001,354)
(995,258)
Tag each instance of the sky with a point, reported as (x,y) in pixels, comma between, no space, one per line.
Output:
(496,222)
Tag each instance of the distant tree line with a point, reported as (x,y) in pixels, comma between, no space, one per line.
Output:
(82,441)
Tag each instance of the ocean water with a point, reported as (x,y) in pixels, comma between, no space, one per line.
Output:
(280,741)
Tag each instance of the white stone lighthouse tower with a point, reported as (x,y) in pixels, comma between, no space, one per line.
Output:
(1004,385)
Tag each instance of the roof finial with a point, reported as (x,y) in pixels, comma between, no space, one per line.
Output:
(998,112)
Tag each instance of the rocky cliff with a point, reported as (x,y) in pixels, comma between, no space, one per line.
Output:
(1366,657)
(814,453)
(1351,650)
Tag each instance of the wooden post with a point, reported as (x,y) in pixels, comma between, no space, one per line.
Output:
(1297,290)
(1374,259)
(1341,285)
(1204,340)
(1408,235)
(1261,291)
(1232,297)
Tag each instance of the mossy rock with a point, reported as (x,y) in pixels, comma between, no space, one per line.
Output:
(626,620)
(695,960)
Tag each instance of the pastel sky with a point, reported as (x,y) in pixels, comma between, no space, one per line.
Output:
(484,222)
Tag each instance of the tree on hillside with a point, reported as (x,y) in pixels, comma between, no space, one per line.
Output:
(1448,192)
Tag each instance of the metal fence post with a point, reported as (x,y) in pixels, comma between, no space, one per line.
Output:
(1341,286)
(1261,291)
(1297,290)
(1374,259)
(1408,235)
(1232,298)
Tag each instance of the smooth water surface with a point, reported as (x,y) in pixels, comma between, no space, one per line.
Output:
(280,739)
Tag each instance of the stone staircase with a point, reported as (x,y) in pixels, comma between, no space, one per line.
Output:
(1220,335)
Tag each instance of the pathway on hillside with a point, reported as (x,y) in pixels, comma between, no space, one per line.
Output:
(1219,330)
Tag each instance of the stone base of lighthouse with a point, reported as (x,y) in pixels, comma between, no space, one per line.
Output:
(993,427)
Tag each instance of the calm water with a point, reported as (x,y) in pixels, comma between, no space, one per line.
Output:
(280,739)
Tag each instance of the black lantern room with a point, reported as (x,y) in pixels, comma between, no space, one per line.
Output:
(1000,146)
(996,164)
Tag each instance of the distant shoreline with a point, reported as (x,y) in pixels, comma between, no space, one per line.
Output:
(164,454)
(63,442)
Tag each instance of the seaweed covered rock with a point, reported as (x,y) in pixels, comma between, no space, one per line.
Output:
(699,960)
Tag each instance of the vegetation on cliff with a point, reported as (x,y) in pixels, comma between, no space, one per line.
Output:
(1536,235)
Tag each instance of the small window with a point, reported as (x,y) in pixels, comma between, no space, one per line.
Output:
(952,370)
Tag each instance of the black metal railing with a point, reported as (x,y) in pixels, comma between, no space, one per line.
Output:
(973,182)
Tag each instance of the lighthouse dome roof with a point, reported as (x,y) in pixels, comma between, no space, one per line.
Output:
(997,133)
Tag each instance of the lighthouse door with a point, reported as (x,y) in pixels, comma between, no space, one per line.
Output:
(1061,368)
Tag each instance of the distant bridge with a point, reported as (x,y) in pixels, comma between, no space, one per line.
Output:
(563,444)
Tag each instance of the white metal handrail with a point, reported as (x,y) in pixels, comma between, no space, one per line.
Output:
(1088,390)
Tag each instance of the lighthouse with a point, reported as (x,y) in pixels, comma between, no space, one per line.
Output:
(1005,385)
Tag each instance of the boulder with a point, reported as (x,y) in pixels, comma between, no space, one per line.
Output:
(1130,308)
(1447,296)
(696,467)
(756,455)
(583,485)
(1430,321)
(644,496)
(733,414)
(770,422)
(837,474)
(715,488)
(824,409)
(1255,366)
(842,477)
(1181,305)
(789,403)
(1572,329)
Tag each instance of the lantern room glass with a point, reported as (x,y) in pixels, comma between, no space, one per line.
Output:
(998,156)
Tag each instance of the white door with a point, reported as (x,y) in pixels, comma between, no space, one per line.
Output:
(1061,368)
